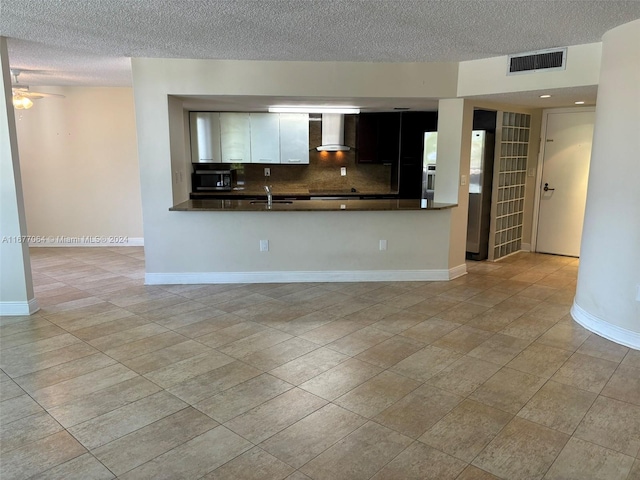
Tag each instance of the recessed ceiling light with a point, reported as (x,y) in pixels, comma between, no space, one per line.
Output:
(579,103)
(545,96)
(313,109)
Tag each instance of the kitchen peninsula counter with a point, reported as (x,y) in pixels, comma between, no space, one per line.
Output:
(328,205)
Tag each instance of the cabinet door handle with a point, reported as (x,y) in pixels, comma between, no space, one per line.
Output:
(293,160)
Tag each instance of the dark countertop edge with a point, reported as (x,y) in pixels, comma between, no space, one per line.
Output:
(364,205)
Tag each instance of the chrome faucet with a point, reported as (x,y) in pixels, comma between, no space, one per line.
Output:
(267,189)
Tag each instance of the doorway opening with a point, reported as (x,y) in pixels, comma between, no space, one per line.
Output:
(480,184)
(563,172)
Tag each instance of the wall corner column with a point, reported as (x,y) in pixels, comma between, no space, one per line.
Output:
(16,286)
(455,124)
(607,300)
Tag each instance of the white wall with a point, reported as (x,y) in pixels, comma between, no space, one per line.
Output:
(455,124)
(608,294)
(180,150)
(489,75)
(16,286)
(201,247)
(79,163)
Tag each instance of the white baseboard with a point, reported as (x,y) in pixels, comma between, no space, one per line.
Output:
(507,256)
(87,241)
(598,326)
(13,309)
(458,271)
(301,277)
(525,247)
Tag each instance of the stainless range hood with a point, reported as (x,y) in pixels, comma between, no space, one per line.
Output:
(333,133)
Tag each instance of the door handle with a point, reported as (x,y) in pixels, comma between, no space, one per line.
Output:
(546,188)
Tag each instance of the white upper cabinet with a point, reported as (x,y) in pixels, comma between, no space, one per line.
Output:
(232,137)
(265,138)
(294,138)
(205,137)
(235,137)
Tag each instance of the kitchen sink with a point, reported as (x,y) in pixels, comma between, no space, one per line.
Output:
(266,202)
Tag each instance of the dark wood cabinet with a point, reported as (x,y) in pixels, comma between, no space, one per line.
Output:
(378,137)
(410,181)
(414,125)
(367,138)
(396,139)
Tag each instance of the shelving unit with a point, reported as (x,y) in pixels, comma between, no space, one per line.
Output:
(510,175)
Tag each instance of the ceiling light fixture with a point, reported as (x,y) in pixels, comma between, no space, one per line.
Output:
(579,103)
(21,103)
(23,97)
(545,96)
(313,109)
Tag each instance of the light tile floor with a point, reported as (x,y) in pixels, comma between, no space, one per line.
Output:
(483,377)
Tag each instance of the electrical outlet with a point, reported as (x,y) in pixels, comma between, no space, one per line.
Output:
(267,172)
(383,245)
(264,245)
(343,171)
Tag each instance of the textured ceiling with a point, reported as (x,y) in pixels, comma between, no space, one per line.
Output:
(88,42)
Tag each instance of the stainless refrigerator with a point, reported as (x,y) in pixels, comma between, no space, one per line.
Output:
(480,181)
(429,156)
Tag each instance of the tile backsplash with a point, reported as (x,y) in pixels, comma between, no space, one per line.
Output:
(323,172)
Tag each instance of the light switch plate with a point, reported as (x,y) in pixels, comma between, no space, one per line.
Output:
(463,179)
(532,172)
(264,245)
(343,171)
(383,245)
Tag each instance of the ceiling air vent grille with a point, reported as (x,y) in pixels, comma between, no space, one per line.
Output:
(547,60)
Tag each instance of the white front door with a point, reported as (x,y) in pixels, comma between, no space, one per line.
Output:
(565,171)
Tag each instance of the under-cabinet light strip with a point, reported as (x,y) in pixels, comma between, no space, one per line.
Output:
(312,109)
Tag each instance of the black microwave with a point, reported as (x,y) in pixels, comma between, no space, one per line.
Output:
(205,180)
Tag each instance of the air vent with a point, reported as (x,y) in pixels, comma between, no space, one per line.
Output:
(547,60)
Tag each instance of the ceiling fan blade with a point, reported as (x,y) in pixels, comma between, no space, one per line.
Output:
(24,91)
(45,95)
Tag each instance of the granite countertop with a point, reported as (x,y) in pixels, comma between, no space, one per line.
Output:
(213,205)
(253,191)
(286,192)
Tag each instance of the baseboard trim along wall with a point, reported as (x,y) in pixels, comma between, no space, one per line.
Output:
(458,271)
(301,277)
(86,241)
(598,326)
(525,247)
(14,309)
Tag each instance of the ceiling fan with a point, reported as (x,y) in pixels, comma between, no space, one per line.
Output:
(22,96)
